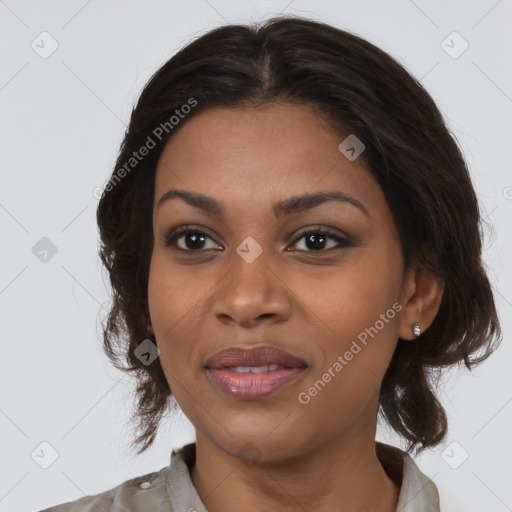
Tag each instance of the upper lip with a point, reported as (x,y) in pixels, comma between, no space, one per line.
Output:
(260,355)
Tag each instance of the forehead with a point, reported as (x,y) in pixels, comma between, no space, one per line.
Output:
(258,154)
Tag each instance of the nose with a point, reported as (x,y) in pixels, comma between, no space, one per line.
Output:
(252,292)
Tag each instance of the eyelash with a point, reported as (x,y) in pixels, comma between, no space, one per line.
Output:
(343,242)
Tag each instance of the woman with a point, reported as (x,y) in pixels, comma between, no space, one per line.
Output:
(292,238)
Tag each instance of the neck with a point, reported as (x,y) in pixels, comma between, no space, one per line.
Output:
(334,475)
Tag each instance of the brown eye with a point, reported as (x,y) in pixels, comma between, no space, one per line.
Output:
(318,240)
(188,240)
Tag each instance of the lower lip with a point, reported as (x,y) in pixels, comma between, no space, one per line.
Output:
(252,386)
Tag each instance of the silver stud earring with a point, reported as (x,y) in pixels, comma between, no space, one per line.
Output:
(416,329)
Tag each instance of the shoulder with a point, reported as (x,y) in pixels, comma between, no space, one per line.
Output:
(417,491)
(145,492)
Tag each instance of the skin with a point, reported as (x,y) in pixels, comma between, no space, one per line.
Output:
(317,456)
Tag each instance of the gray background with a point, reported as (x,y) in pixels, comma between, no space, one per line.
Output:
(62,120)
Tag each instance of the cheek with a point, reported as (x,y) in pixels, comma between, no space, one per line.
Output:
(172,293)
(171,304)
(348,298)
(177,299)
(173,315)
(355,342)
(354,310)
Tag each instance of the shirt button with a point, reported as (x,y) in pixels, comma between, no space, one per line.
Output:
(145,485)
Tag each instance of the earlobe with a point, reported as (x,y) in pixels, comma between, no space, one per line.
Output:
(421,295)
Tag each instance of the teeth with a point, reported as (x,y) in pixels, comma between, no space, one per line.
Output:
(241,369)
(259,369)
(255,369)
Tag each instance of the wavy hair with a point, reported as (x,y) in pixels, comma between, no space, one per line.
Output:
(358,89)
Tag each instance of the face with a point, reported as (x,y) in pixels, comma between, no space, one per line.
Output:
(322,282)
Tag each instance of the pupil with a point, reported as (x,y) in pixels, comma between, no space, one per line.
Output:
(310,241)
(194,238)
(313,241)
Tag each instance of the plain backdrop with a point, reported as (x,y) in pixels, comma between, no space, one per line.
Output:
(62,119)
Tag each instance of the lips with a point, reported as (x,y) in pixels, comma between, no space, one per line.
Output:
(253,373)
(257,356)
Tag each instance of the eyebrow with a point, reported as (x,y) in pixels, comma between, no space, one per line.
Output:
(281,208)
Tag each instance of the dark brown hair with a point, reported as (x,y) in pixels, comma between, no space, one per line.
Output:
(359,89)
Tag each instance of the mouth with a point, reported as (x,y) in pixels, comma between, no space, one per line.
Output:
(260,358)
(255,369)
(250,385)
(253,373)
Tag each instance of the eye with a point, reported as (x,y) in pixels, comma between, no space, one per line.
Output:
(317,239)
(188,239)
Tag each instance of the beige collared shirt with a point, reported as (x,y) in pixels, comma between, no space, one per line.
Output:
(172,490)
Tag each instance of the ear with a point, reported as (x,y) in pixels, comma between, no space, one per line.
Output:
(420,298)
